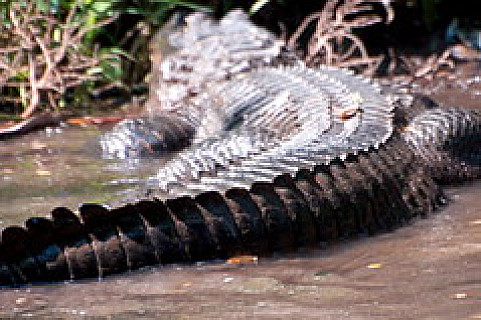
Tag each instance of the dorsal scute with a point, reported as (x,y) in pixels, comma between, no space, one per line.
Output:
(314,115)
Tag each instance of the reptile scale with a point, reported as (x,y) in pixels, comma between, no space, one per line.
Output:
(271,156)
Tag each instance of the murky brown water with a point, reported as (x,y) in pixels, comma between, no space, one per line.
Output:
(61,167)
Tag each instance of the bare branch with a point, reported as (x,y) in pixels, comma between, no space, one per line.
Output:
(333,41)
(33,59)
(33,88)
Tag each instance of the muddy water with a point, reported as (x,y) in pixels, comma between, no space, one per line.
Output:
(61,167)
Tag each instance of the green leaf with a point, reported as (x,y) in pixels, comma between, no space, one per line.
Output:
(116,51)
(57,35)
(101,6)
(94,70)
(111,71)
(257,6)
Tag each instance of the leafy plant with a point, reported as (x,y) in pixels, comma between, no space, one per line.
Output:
(43,56)
(48,47)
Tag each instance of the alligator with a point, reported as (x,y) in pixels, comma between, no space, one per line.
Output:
(271,156)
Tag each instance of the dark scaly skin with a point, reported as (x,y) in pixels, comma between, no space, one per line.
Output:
(367,193)
(362,191)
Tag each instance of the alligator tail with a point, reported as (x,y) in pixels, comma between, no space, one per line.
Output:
(448,140)
(372,191)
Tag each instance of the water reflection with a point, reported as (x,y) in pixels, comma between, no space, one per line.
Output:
(61,167)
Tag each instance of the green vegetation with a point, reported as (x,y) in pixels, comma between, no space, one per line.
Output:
(56,54)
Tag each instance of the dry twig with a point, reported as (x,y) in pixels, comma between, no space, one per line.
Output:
(51,61)
(333,41)
(429,67)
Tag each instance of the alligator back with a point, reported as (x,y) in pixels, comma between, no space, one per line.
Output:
(206,54)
